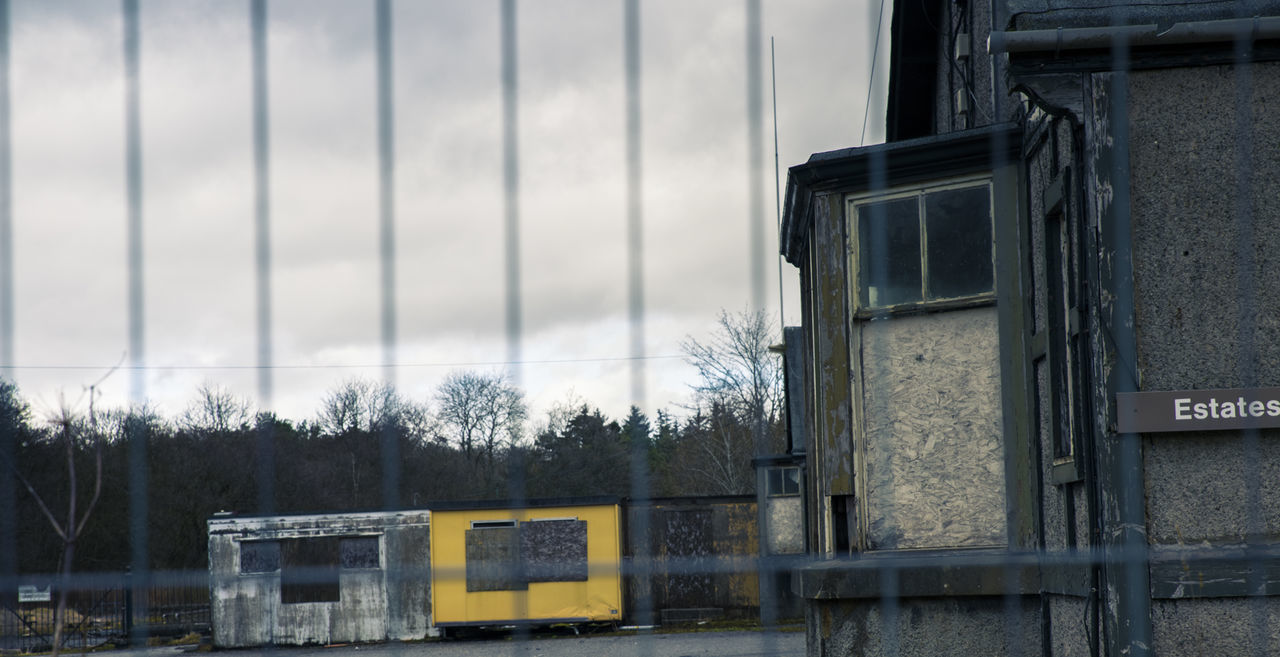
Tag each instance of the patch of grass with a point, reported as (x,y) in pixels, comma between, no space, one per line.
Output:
(187,640)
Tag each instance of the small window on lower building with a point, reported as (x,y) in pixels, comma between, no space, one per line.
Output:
(360,552)
(259,557)
(784,481)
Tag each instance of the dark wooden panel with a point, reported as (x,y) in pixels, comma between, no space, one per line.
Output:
(493,560)
(831,337)
(309,570)
(554,550)
(689,553)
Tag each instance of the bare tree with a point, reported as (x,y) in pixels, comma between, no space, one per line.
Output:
(363,405)
(67,430)
(116,425)
(480,412)
(737,370)
(713,456)
(560,413)
(216,410)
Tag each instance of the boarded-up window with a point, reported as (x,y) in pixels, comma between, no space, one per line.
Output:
(259,556)
(688,547)
(309,570)
(554,550)
(493,559)
(360,552)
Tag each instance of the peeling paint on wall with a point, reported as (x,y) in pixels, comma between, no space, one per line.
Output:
(386,601)
(831,288)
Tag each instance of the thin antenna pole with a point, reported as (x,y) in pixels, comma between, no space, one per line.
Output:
(777,177)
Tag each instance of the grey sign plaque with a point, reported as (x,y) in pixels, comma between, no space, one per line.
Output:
(1197,410)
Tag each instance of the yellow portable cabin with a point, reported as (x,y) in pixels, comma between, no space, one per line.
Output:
(543,562)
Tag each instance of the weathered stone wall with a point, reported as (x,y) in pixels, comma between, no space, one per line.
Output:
(1206,251)
(924,627)
(1206,240)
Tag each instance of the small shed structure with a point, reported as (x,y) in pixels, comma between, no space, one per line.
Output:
(318,579)
(702,556)
(545,561)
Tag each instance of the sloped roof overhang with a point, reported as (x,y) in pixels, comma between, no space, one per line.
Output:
(885,166)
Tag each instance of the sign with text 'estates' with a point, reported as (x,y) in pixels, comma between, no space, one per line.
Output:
(1197,410)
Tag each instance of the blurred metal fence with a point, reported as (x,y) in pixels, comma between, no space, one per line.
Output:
(104,608)
(1111,552)
(100,610)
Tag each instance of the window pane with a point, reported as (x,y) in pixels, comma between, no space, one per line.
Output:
(958,232)
(784,481)
(259,556)
(360,552)
(792,483)
(889,252)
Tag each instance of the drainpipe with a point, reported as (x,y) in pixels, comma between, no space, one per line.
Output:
(1137,36)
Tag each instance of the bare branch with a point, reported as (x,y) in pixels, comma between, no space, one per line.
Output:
(57,527)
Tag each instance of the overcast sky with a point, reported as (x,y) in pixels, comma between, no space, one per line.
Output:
(69,203)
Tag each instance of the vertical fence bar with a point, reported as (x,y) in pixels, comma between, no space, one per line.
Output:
(8,426)
(266,475)
(6,203)
(387,247)
(755,154)
(756,259)
(138,429)
(640,483)
(511,233)
(511,188)
(1247,326)
(875,368)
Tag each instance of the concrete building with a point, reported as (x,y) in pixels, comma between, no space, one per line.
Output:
(1040,338)
(319,579)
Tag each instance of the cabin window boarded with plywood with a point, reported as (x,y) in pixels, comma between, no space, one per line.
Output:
(309,569)
(493,557)
(554,550)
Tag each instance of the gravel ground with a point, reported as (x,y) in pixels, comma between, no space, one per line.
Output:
(687,644)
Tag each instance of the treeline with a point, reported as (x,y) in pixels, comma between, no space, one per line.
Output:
(369,447)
